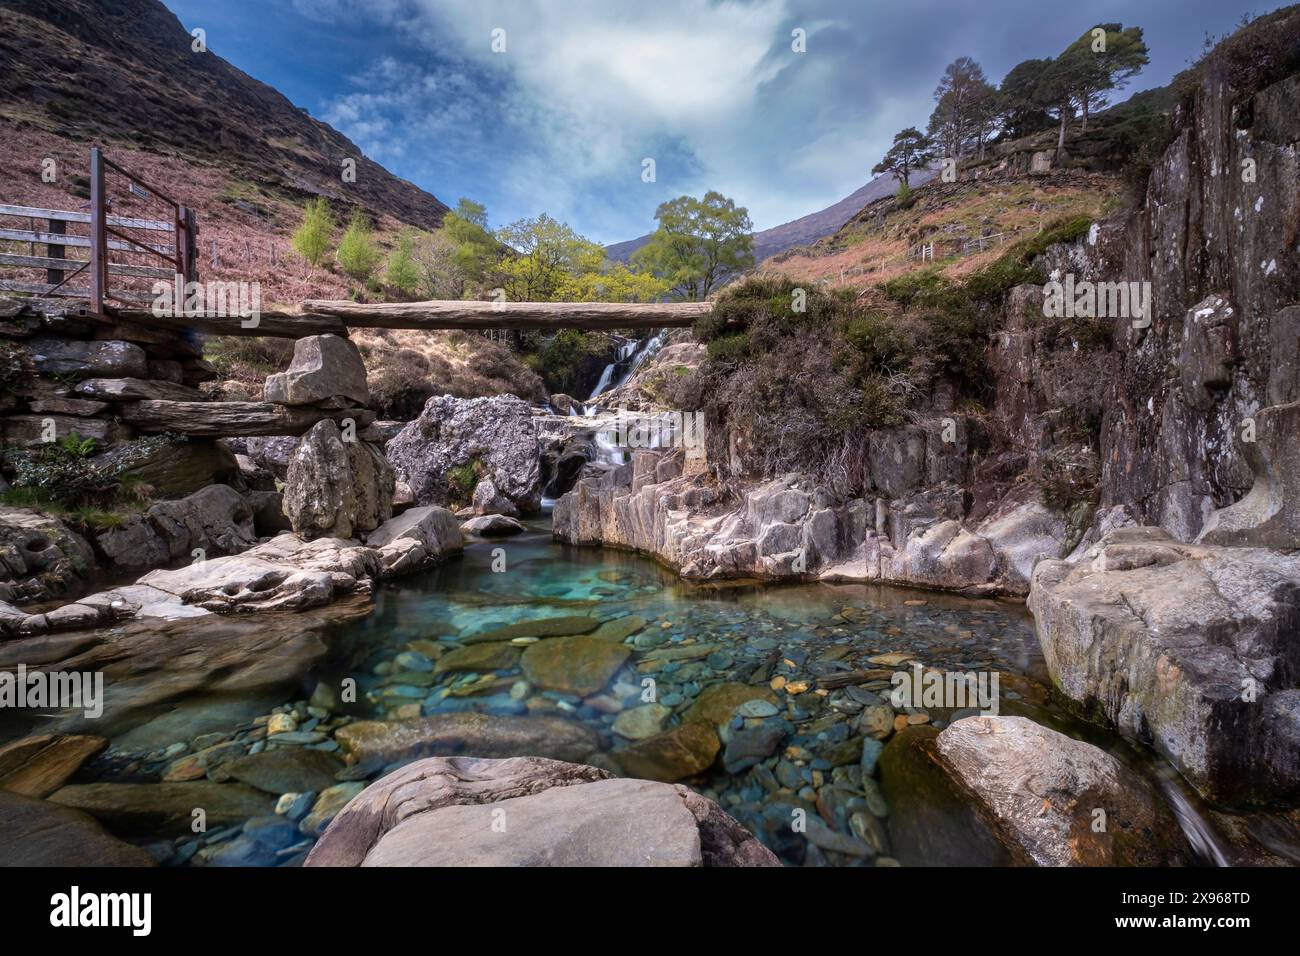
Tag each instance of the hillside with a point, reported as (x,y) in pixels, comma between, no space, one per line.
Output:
(805,229)
(122,72)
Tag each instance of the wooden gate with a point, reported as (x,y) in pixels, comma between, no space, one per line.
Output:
(106,249)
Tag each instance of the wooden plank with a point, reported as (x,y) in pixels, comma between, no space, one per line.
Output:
(276,325)
(70,265)
(70,291)
(78,242)
(455,314)
(60,215)
(231,419)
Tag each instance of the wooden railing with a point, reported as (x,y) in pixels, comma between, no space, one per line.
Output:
(107,241)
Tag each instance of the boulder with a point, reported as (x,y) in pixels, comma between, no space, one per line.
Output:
(337,488)
(492,526)
(1059,801)
(488,501)
(56,356)
(447,812)
(415,539)
(272,453)
(215,519)
(455,443)
(371,744)
(326,370)
(40,557)
(1187,647)
(40,833)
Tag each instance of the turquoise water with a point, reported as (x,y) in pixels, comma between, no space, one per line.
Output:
(802,672)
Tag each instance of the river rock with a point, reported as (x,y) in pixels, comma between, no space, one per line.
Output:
(680,752)
(497,655)
(538,627)
(751,745)
(337,488)
(580,665)
(371,745)
(480,437)
(718,702)
(285,770)
(37,766)
(619,629)
(1185,646)
(327,806)
(40,833)
(642,722)
(440,812)
(164,808)
(1059,801)
(326,369)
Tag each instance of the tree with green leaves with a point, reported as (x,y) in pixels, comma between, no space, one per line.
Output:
(311,239)
(402,272)
(961,110)
(699,243)
(475,249)
(912,150)
(544,254)
(1021,104)
(357,254)
(1104,59)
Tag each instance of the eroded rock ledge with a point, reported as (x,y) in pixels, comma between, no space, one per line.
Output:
(284,573)
(792,527)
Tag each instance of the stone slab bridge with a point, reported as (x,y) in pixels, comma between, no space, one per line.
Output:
(320,317)
(138,373)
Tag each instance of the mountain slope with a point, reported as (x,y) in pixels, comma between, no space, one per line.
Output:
(123,72)
(805,229)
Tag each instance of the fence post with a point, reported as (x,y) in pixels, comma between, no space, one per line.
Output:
(98,238)
(57,227)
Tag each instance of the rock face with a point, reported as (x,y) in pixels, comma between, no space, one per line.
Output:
(1269,515)
(441,812)
(215,519)
(1191,648)
(326,370)
(455,443)
(1056,800)
(337,488)
(40,558)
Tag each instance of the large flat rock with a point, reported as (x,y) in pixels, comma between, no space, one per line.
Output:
(530,812)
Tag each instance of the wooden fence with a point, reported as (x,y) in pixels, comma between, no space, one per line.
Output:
(101,267)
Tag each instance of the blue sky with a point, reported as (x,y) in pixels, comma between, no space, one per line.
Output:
(585,90)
